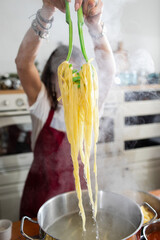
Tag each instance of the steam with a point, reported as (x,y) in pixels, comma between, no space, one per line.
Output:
(141,60)
(114,169)
(113,11)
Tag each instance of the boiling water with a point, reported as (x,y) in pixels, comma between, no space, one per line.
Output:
(107,227)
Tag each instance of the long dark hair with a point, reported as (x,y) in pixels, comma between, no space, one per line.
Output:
(49,74)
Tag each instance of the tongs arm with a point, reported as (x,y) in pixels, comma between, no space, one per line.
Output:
(69,21)
(80,30)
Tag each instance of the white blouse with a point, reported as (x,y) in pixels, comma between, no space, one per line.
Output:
(39,113)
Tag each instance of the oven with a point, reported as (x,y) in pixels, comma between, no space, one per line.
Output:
(15,150)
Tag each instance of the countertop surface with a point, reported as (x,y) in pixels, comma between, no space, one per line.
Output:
(137,87)
(33,229)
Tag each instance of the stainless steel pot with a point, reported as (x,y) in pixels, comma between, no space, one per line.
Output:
(151,229)
(118,218)
(140,197)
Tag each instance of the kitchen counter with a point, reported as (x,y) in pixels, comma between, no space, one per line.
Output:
(156,192)
(32,229)
(137,87)
(11,91)
(142,87)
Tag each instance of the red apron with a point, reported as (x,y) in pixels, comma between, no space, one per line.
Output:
(51,172)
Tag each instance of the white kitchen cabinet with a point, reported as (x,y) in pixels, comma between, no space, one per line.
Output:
(136,167)
(10,201)
(13,173)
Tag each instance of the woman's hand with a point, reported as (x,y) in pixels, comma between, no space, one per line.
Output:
(60,4)
(92,10)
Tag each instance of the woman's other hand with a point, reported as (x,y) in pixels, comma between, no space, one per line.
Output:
(60,4)
(92,10)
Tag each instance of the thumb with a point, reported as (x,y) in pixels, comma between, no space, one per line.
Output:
(78,4)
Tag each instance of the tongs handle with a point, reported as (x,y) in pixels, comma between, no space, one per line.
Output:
(69,21)
(80,30)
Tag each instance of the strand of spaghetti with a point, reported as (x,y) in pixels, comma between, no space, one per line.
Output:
(75,147)
(96,133)
(88,125)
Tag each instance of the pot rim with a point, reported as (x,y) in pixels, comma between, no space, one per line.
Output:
(99,192)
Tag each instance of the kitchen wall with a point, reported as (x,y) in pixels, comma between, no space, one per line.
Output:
(134,22)
(140,28)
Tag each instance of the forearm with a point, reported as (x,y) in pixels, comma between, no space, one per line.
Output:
(103,52)
(27,53)
(105,61)
(31,42)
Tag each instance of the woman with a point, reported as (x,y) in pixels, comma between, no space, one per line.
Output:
(51,172)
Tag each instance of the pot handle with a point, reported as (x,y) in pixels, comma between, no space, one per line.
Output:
(22,225)
(142,238)
(151,209)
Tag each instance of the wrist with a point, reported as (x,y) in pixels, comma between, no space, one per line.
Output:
(43,22)
(47,11)
(96,26)
(97,31)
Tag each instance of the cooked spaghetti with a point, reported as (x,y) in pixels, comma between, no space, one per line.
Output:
(79,93)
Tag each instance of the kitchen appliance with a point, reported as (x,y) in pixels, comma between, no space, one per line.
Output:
(15,121)
(15,151)
(118,217)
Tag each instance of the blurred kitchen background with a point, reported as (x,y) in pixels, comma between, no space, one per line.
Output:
(129,142)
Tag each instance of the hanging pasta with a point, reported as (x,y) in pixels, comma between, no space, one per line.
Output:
(79,93)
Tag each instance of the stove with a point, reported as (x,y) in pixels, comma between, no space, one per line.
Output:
(15,150)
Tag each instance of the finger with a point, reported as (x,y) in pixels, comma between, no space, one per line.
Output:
(78,4)
(88,5)
(85,7)
(96,10)
(63,6)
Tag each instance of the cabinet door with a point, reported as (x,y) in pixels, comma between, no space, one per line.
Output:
(10,197)
(13,173)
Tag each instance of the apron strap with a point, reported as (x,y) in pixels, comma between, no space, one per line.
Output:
(50,116)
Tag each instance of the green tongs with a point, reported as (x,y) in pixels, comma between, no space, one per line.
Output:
(69,21)
(80,31)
